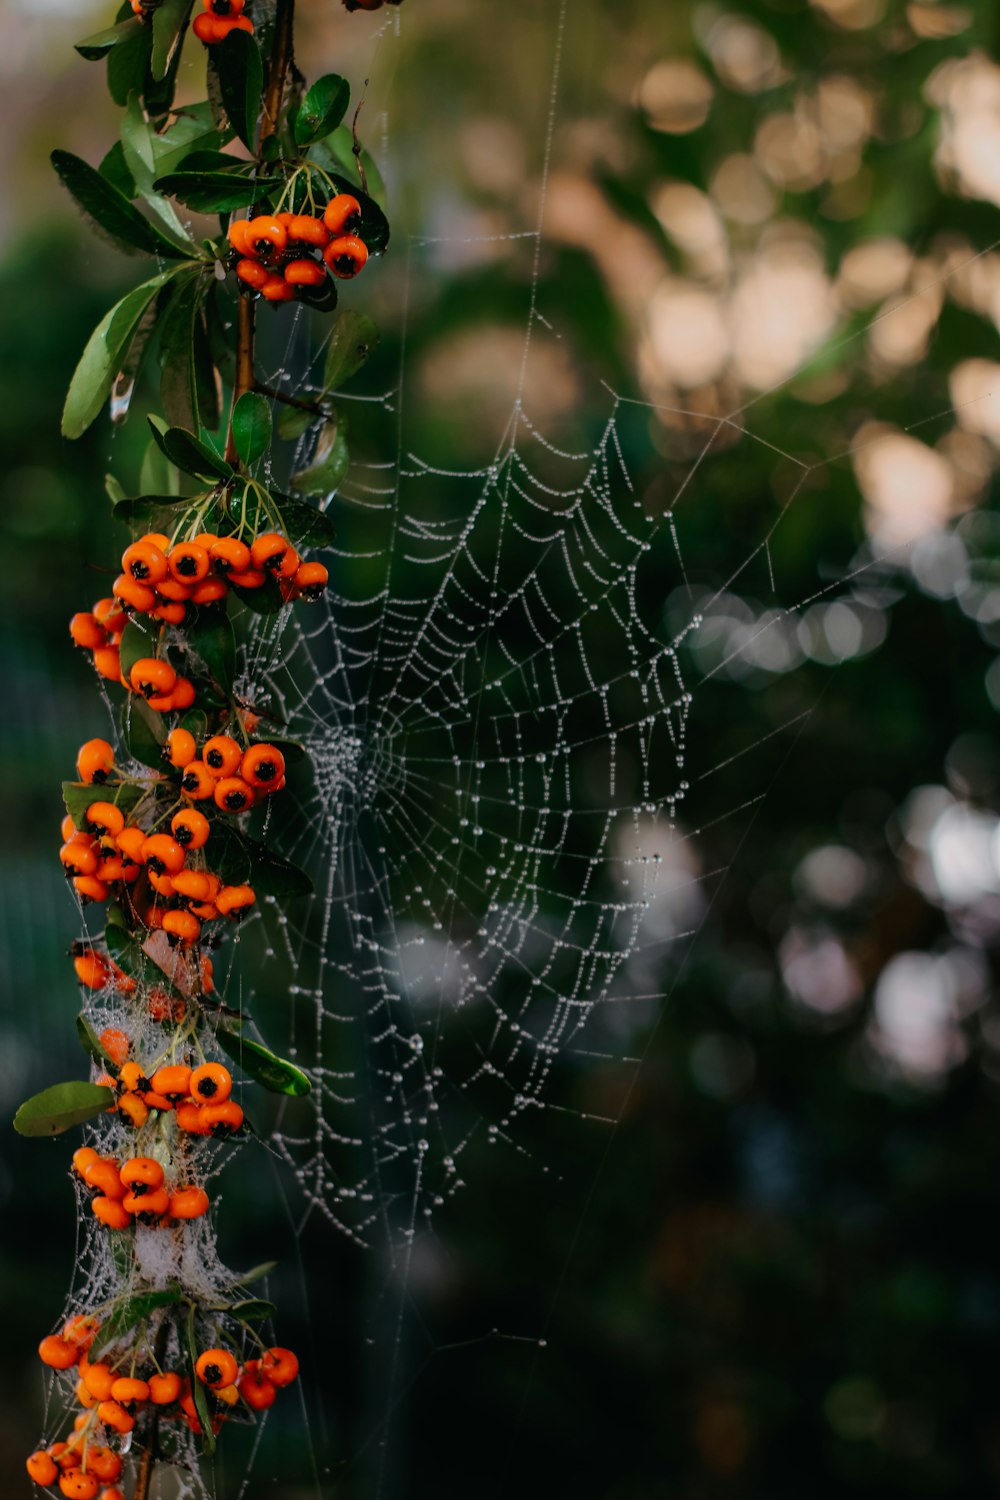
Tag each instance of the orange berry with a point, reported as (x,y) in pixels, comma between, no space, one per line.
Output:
(139,598)
(116,1044)
(42,1468)
(163,854)
(84,1157)
(262,766)
(346,256)
(265,235)
(310,580)
(229,554)
(141,1171)
(304,273)
(209,591)
(251,578)
(127,1390)
(180,748)
(304,229)
(103,1463)
(90,888)
(111,1213)
(78,1484)
(133,1110)
(91,970)
(235,900)
(222,755)
(280,1365)
(256,1389)
(58,1353)
(164,1389)
(188,1203)
(197,781)
(190,1118)
(130,842)
(102,1175)
(87,632)
(145,562)
(108,663)
(253,273)
(98,1379)
(276,289)
(193,885)
(189,563)
(181,927)
(222,1119)
(342,212)
(81,1330)
(216,1368)
(106,818)
(269,552)
(151,675)
(114,1415)
(95,761)
(211,1083)
(173,1081)
(234,795)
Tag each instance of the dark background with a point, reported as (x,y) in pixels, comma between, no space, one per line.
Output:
(776,1271)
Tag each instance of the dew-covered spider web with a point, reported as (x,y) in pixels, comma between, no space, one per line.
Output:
(505,793)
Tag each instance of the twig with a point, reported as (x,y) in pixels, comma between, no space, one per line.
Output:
(276,395)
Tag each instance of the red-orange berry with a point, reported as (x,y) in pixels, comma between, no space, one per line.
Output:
(262,767)
(188,1203)
(189,563)
(216,1368)
(144,561)
(150,675)
(42,1468)
(304,273)
(164,1389)
(163,854)
(280,1365)
(346,256)
(311,579)
(256,1389)
(58,1353)
(235,900)
(342,213)
(234,795)
(86,632)
(95,762)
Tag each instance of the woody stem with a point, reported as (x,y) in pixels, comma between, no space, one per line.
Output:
(281,61)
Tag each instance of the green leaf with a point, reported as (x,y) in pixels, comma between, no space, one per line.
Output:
(216,192)
(207,383)
(241,79)
(322,109)
(114,168)
(270,875)
(178,385)
(256,1273)
(275,1073)
(93,48)
(169,21)
(251,427)
(250,1310)
(146,508)
(212,639)
(140,158)
(304,523)
(292,750)
(195,721)
(130,1313)
(143,731)
(292,422)
(329,464)
(136,642)
(128,64)
(79,797)
(63,1105)
(192,132)
(92,1045)
(113,489)
(352,342)
(105,354)
(157,475)
(189,452)
(266,600)
(130,956)
(336,155)
(111,212)
(197,1389)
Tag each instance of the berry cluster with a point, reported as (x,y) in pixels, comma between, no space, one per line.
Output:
(219,19)
(279,256)
(111,1394)
(136,1190)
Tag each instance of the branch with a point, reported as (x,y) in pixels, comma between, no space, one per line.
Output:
(281,61)
(275,395)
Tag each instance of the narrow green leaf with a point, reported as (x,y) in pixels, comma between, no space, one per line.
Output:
(275,1073)
(189,452)
(113,489)
(197,1389)
(329,464)
(322,109)
(111,212)
(105,354)
(137,140)
(212,639)
(93,48)
(136,642)
(251,427)
(130,1313)
(207,383)
(256,1273)
(304,523)
(352,342)
(78,797)
(128,64)
(130,956)
(250,1310)
(241,79)
(178,386)
(114,168)
(147,508)
(215,192)
(63,1105)
(143,731)
(169,22)
(91,1044)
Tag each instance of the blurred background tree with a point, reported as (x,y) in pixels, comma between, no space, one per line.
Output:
(777,1270)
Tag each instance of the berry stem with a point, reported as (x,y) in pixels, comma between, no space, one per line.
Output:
(281,61)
